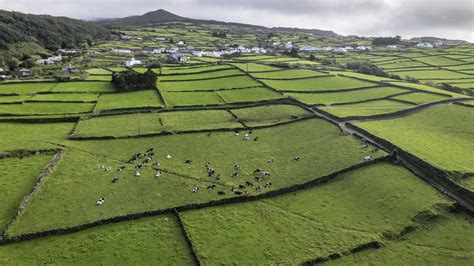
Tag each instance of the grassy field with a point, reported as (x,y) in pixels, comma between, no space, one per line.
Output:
(329,98)
(211,84)
(188,70)
(423,247)
(15,136)
(269,115)
(317,84)
(436,135)
(288,74)
(333,218)
(39,108)
(191,98)
(137,99)
(422,87)
(249,95)
(18,178)
(206,75)
(432,74)
(253,67)
(56,97)
(84,87)
(420,97)
(26,88)
(151,240)
(366,109)
(78,170)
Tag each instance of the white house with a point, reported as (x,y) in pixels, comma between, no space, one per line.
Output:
(339,50)
(49,60)
(2,74)
(308,49)
(327,49)
(275,44)
(392,46)
(363,48)
(180,43)
(158,51)
(179,57)
(289,45)
(132,62)
(159,39)
(425,45)
(198,53)
(122,51)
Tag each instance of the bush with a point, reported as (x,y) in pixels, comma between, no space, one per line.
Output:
(132,81)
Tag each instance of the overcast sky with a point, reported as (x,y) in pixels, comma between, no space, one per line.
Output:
(410,18)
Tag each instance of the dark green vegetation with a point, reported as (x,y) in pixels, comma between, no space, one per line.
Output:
(50,32)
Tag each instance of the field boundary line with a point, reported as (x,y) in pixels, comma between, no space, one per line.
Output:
(187,238)
(41,178)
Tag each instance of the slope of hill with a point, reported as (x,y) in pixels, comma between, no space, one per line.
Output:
(48,31)
(163,16)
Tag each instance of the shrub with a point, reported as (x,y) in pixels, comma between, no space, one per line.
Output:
(132,81)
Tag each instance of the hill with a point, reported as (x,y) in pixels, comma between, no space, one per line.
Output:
(50,32)
(163,16)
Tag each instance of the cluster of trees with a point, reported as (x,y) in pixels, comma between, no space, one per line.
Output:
(292,53)
(369,68)
(219,34)
(387,40)
(51,32)
(133,81)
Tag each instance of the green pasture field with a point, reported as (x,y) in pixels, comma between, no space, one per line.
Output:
(39,108)
(98,71)
(433,74)
(329,98)
(99,78)
(18,176)
(253,67)
(207,75)
(270,114)
(66,97)
(78,171)
(191,98)
(26,88)
(421,97)
(84,87)
(211,84)
(463,85)
(461,67)
(360,76)
(146,123)
(422,87)
(355,208)
(256,58)
(249,95)
(402,64)
(438,61)
(367,109)
(16,136)
(13,99)
(118,69)
(150,240)
(289,74)
(136,99)
(318,84)
(436,135)
(191,70)
(448,239)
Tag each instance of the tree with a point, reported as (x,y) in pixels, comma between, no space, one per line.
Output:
(12,63)
(133,81)
(28,63)
(312,57)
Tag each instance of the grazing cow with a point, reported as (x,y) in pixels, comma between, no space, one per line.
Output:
(296,158)
(108,168)
(121,168)
(149,150)
(218,177)
(258,179)
(158,174)
(137,174)
(211,187)
(363,140)
(237,167)
(210,172)
(189,162)
(195,190)
(246,137)
(237,193)
(139,166)
(157,164)
(375,150)
(115,180)
(250,132)
(234,174)
(365,146)
(258,170)
(258,188)
(100,202)
(269,184)
(270,161)
(265,174)
(255,139)
(221,193)
(209,134)
(248,184)
(368,158)
(151,154)
(169,156)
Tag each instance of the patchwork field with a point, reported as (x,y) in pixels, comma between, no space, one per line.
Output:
(320,84)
